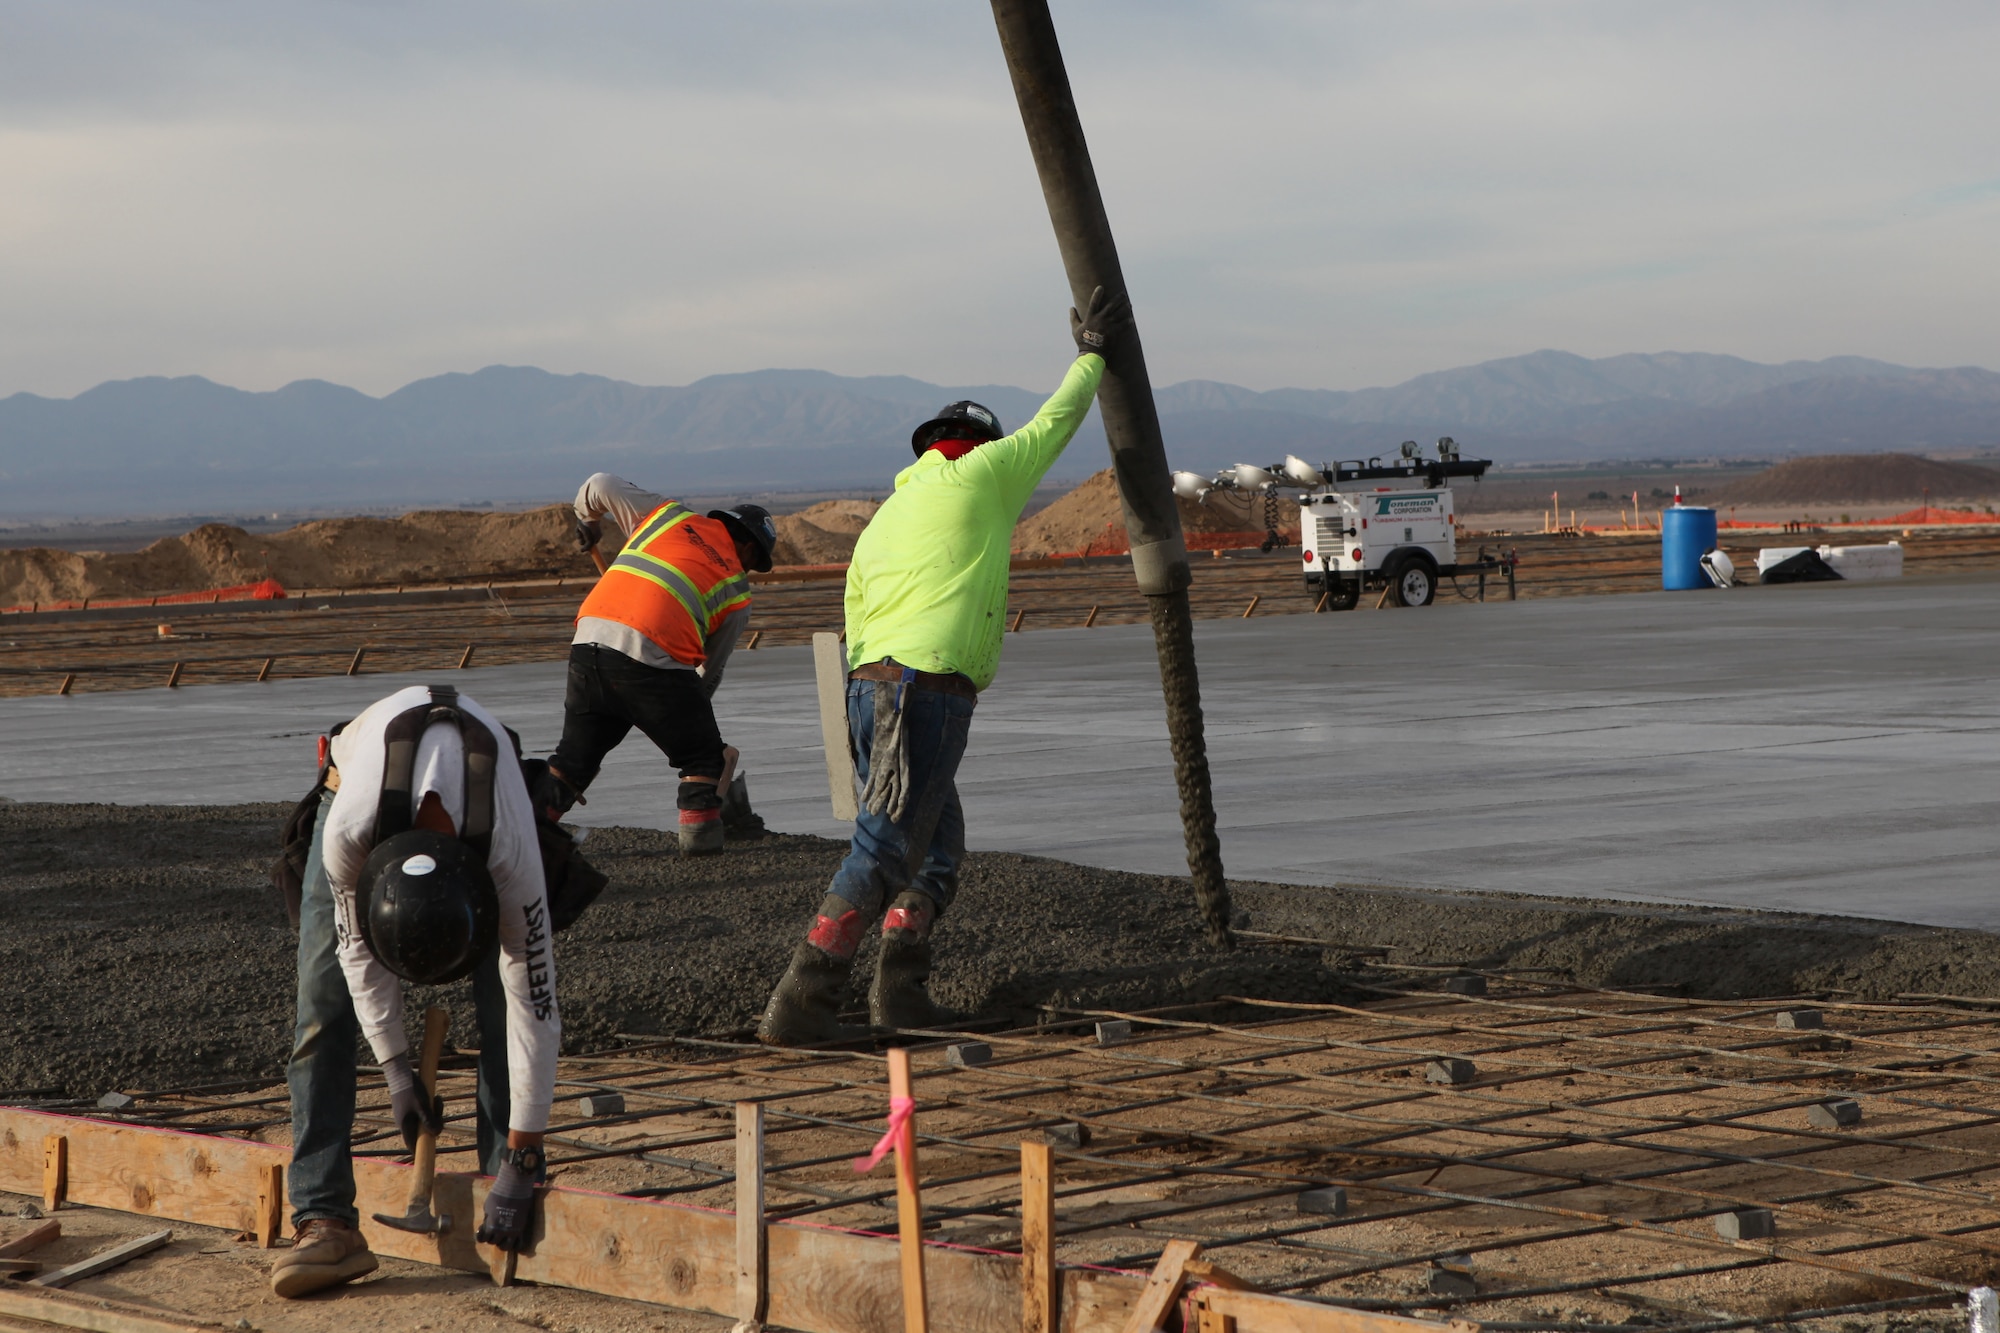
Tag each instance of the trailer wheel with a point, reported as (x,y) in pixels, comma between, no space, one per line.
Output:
(1414,582)
(1343,594)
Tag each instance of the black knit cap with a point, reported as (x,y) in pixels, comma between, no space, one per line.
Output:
(961,420)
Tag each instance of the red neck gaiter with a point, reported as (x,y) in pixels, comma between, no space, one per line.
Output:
(954,449)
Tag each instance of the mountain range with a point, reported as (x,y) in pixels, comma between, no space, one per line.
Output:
(510,433)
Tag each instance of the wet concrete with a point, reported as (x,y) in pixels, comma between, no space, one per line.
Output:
(1826,748)
(144,947)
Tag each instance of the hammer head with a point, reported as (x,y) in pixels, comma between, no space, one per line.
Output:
(422,1221)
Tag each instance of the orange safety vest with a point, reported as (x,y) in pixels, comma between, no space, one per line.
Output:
(674,582)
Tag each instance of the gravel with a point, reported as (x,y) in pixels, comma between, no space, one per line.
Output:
(144,947)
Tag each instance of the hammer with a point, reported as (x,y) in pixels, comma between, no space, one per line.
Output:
(417,1216)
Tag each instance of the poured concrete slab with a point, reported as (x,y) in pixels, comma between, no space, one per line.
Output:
(1829,748)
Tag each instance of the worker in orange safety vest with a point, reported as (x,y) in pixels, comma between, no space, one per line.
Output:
(651,642)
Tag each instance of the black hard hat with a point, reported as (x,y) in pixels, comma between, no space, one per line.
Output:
(429,911)
(962,416)
(753,522)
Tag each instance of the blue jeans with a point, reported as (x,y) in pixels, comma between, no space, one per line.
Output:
(922,850)
(324,1061)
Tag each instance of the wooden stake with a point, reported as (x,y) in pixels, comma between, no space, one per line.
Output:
(270,1204)
(68,681)
(1321,604)
(354,667)
(31,1240)
(264,672)
(1253,605)
(174,677)
(1150,1312)
(465,658)
(1090,619)
(1383,600)
(752,1257)
(1015,628)
(1214,1321)
(55,1171)
(755,635)
(1041,1286)
(909,1205)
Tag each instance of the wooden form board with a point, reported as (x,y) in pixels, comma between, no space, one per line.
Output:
(821,1280)
(830,672)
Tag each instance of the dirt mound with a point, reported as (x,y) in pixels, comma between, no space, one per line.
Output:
(423,547)
(1862,479)
(1088,519)
(822,534)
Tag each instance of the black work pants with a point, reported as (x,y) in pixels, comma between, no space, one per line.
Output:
(609,694)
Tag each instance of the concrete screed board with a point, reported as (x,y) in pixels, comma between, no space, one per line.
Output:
(1827,748)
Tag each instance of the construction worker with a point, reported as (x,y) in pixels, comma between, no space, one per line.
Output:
(926,603)
(424,867)
(651,642)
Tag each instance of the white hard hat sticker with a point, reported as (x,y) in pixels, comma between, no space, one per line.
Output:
(419,865)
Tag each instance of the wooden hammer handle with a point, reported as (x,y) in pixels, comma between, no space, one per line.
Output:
(437,1023)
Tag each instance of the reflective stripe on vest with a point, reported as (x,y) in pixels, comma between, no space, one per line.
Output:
(702,608)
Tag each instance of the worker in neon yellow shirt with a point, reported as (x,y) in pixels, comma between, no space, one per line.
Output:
(926,604)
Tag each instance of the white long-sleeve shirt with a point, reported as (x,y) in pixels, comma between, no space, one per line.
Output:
(604,495)
(527,960)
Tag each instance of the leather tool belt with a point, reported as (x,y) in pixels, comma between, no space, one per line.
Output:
(889,669)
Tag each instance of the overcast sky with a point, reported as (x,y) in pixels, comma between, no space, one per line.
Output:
(1322,195)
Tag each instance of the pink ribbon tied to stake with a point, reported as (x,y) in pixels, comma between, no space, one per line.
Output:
(900,1111)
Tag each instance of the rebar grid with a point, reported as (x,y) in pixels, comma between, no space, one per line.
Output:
(1573,1182)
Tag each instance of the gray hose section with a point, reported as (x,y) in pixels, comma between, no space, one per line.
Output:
(1173,637)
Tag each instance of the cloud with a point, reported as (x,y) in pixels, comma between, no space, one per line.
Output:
(1326,195)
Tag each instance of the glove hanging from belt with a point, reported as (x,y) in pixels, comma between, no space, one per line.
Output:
(888,788)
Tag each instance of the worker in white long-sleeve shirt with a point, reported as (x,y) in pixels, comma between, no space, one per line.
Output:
(651,642)
(424,866)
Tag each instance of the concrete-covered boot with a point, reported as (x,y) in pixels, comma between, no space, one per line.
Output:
(701,817)
(325,1253)
(900,996)
(805,1008)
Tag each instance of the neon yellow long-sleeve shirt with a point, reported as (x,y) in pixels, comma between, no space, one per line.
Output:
(928,581)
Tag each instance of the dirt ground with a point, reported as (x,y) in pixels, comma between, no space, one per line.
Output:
(217,1277)
(146,950)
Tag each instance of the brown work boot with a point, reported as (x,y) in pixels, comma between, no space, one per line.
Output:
(325,1253)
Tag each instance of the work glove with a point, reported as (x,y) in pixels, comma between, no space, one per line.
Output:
(587,533)
(1102,320)
(510,1208)
(406,1101)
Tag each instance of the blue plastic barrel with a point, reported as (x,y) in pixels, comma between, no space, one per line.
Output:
(1687,533)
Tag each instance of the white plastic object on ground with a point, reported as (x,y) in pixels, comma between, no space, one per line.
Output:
(1721,570)
(1865,562)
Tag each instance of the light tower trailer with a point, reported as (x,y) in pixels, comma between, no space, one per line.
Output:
(1372,525)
